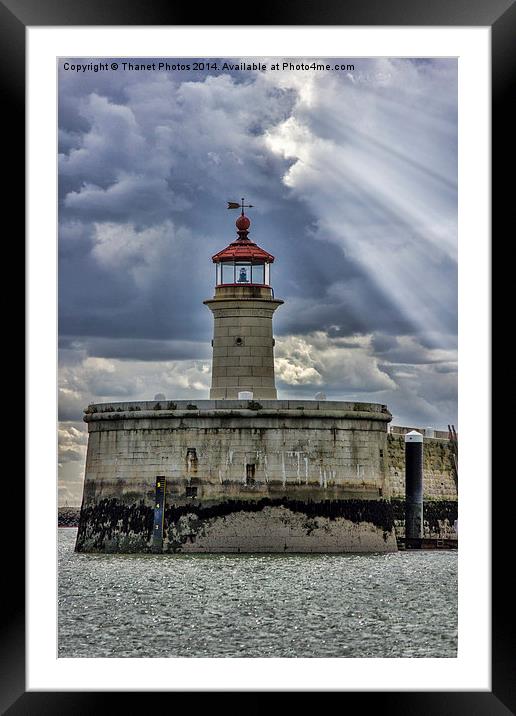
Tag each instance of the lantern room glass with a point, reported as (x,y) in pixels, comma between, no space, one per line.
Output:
(228,272)
(258,274)
(243,273)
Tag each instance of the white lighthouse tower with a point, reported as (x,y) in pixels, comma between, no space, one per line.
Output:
(242,307)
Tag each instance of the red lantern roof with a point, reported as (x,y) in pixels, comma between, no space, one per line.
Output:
(243,249)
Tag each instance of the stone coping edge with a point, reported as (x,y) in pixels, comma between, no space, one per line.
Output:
(236,404)
(237,413)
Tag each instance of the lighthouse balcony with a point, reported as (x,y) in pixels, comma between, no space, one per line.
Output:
(243,291)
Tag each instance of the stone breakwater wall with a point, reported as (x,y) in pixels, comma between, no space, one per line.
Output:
(401,430)
(68,516)
(241,476)
(248,476)
(439,518)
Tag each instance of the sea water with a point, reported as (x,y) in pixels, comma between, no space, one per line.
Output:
(400,604)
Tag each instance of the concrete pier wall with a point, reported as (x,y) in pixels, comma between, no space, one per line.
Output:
(273,476)
(295,476)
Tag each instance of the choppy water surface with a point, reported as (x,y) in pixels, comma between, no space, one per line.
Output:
(380,605)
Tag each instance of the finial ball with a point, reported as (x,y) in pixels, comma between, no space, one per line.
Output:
(243,223)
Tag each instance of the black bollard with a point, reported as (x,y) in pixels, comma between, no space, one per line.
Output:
(413,485)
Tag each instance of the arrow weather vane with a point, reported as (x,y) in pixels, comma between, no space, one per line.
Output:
(236,205)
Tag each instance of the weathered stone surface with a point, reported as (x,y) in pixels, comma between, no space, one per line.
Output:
(242,343)
(281,455)
(250,475)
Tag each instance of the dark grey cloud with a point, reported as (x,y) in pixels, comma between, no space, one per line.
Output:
(133,349)
(160,149)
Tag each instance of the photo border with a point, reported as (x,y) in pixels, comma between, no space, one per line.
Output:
(500,16)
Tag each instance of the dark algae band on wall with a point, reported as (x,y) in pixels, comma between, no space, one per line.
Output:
(114,526)
(111,525)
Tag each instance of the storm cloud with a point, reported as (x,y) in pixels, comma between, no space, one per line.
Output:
(353,176)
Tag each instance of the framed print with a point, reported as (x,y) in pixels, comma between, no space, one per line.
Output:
(357,198)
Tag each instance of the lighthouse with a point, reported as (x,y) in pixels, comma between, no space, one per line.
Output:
(242,471)
(242,307)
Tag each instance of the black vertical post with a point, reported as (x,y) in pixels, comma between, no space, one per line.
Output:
(159,513)
(413,486)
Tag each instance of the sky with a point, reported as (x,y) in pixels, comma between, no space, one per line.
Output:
(353,179)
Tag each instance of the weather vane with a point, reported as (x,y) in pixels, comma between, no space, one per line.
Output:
(236,205)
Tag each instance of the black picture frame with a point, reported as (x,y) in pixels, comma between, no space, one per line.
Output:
(500,16)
